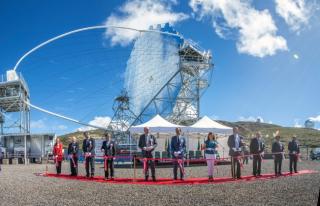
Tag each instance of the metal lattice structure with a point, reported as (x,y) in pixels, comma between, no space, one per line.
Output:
(15,113)
(165,75)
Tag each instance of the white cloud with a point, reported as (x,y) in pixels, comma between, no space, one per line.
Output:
(296,13)
(37,124)
(140,14)
(250,119)
(297,123)
(97,121)
(315,119)
(62,127)
(256,29)
(214,117)
(296,56)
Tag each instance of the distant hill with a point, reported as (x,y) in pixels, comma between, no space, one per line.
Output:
(305,136)
(310,137)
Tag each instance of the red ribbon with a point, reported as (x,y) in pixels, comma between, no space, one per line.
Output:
(180,161)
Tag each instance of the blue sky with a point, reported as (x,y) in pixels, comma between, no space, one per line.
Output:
(266,55)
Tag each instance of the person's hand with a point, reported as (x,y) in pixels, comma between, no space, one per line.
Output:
(144,148)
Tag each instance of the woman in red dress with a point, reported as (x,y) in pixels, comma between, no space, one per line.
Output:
(58,155)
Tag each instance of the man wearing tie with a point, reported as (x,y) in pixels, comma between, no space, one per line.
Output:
(277,149)
(178,148)
(294,151)
(88,148)
(257,149)
(235,142)
(147,144)
(109,149)
(73,149)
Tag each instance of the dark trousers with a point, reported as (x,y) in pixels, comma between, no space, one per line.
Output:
(293,162)
(256,164)
(74,166)
(58,167)
(277,166)
(109,166)
(175,168)
(90,161)
(150,163)
(245,160)
(235,167)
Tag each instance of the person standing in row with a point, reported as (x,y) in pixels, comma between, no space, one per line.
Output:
(109,149)
(147,144)
(0,157)
(256,149)
(277,149)
(58,155)
(178,148)
(73,149)
(235,142)
(210,149)
(294,151)
(88,148)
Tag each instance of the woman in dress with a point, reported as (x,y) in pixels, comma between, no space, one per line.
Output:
(58,155)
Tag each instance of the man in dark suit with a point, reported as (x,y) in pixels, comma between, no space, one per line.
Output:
(178,149)
(73,149)
(88,147)
(235,142)
(257,149)
(109,149)
(147,144)
(294,151)
(277,148)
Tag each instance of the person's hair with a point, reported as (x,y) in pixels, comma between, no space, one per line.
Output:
(56,141)
(213,136)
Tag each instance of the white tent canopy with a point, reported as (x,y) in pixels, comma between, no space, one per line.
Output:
(205,124)
(156,124)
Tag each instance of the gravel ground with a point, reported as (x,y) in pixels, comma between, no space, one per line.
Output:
(20,186)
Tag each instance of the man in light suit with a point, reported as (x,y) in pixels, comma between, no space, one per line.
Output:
(147,144)
(178,149)
(235,142)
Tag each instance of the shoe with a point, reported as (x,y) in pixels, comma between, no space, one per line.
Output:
(259,175)
(296,172)
(146,178)
(175,178)
(239,178)
(92,175)
(106,178)
(181,179)
(154,179)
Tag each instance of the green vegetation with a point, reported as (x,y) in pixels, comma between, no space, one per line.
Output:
(310,137)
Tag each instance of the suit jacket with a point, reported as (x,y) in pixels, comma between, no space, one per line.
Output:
(178,145)
(276,148)
(293,146)
(109,148)
(89,146)
(232,144)
(142,144)
(73,148)
(254,146)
